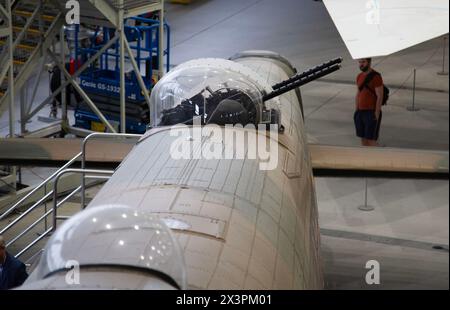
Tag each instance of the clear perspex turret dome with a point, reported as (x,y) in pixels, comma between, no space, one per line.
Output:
(208,91)
(114,235)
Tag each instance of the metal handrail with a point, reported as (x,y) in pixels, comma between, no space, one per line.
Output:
(76,190)
(29,227)
(34,206)
(83,155)
(45,182)
(34,242)
(55,187)
(52,176)
(55,177)
(43,216)
(56,205)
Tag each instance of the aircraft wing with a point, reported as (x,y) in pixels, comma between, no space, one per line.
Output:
(339,161)
(373,28)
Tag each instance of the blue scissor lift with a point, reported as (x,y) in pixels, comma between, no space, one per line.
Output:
(101,81)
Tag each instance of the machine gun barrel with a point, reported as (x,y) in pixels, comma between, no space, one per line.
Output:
(304,78)
(308,72)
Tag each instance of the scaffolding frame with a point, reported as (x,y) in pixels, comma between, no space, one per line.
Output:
(115,12)
(45,28)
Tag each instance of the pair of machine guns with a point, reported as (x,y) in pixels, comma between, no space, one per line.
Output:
(232,106)
(304,78)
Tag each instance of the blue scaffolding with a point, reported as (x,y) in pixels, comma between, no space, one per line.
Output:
(101,80)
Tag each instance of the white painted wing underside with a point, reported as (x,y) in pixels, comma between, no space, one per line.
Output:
(373,28)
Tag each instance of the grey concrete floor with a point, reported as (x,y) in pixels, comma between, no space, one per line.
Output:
(410,216)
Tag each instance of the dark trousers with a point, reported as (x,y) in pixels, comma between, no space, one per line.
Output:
(366,124)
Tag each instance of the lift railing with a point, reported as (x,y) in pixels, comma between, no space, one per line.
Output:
(55,177)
